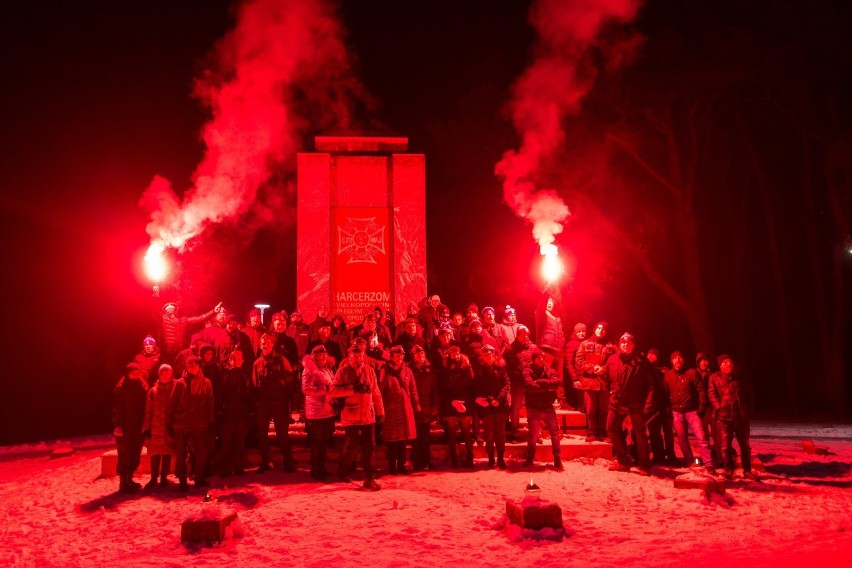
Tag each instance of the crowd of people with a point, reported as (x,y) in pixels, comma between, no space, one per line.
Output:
(390,380)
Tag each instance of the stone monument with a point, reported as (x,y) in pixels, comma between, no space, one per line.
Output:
(361,226)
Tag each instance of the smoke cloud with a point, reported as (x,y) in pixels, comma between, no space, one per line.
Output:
(282,69)
(552,88)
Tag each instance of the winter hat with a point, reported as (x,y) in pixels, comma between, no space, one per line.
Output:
(473,308)
(701,356)
(535,352)
(454,350)
(319,349)
(168,305)
(132,367)
(282,315)
(487,348)
(654,351)
(604,324)
(474,322)
(676,354)
(627,336)
(164,367)
(722,358)
(417,349)
(522,327)
(204,349)
(149,340)
(579,327)
(254,312)
(193,359)
(397,349)
(487,310)
(509,311)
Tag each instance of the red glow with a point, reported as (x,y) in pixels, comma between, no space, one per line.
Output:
(156,268)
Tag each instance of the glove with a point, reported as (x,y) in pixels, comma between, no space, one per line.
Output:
(118,432)
(380,418)
(482,401)
(146,434)
(459,406)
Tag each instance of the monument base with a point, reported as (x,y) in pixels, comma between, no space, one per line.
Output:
(210,526)
(533,513)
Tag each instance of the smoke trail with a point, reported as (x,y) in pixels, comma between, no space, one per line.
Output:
(283,68)
(551,88)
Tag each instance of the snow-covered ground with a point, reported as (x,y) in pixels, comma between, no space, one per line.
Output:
(56,512)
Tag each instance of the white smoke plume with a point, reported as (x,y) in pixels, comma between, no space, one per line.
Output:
(552,88)
(283,68)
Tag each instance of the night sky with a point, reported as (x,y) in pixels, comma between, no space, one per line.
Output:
(97,99)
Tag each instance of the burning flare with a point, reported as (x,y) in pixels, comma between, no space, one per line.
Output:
(155,264)
(551,266)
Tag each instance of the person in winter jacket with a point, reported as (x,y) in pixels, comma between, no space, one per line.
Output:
(455,384)
(190,419)
(238,341)
(149,359)
(408,338)
(400,401)
(273,379)
(490,328)
(688,401)
(732,399)
(573,396)
(491,387)
(659,417)
(509,326)
(550,337)
(157,440)
(518,357)
(128,415)
(332,348)
(317,379)
(427,391)
(541,384)
(232,414)
(630,395)
(591,359)
(254,330)
(174,328)
(356,382)
(711,426)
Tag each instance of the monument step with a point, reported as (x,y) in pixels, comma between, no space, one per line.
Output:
(572,447)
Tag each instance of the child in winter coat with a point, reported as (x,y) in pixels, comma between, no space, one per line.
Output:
(158,442)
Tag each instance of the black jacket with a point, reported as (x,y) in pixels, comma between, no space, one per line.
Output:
(686,391)
(630,383)
(731,396)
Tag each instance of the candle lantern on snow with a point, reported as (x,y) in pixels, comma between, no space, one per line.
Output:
(533,513)
(532,491)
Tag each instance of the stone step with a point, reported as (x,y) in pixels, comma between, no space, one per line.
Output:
(572,447)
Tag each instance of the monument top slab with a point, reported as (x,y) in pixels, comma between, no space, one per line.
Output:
(361,143)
